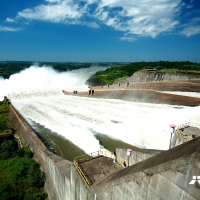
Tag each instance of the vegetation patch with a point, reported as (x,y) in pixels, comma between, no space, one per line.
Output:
(20,176)
(168,71)
(3,106)
(4,125)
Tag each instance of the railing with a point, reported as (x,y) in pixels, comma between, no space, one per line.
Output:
(188,124)
(83,158)
(102,153)
(86,180)
(187,137)
(87,157)
(119,160)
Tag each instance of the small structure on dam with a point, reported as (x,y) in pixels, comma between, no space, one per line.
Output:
(94,166)
(146,174)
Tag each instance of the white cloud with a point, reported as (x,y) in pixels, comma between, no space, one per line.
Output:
(93,25)
(138,18)
(192,28)
(58,12)
(4,28)
(128,38)
(10,20)
(144,17)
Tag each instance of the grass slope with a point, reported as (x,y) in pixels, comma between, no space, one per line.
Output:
(4,116)
(20,176)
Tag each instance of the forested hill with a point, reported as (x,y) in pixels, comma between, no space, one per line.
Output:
(8,68)
(112,74)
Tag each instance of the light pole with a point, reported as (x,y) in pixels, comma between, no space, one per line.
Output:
(173,128)
(128,154)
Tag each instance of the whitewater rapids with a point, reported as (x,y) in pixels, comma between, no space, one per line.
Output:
(78,119)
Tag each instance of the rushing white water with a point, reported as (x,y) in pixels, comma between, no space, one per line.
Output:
(79,118)
(37,81)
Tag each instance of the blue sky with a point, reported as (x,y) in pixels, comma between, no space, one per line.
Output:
(100,30)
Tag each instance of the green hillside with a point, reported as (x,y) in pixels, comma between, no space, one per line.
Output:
(112,74)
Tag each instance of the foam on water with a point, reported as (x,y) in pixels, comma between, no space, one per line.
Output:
(79,118)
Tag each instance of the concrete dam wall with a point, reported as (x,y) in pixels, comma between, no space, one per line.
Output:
(151,174)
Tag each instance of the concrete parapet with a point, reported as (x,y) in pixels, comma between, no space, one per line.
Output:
(137,155)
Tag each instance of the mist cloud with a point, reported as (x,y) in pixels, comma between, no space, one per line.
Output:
(37,81)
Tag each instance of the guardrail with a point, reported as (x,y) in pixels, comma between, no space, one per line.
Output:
(87,157)
(102,153)
(86,180)
(188,124)
(119,160)
(187,137)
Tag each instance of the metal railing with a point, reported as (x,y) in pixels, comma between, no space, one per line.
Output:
(84,177)
(187,137)
(102,153)
(188,124)
(121,163)
(80,159)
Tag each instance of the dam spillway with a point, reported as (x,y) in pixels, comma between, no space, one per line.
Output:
(81,120)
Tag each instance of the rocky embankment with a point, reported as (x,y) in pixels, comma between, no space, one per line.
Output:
(150,86)
(150,76)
